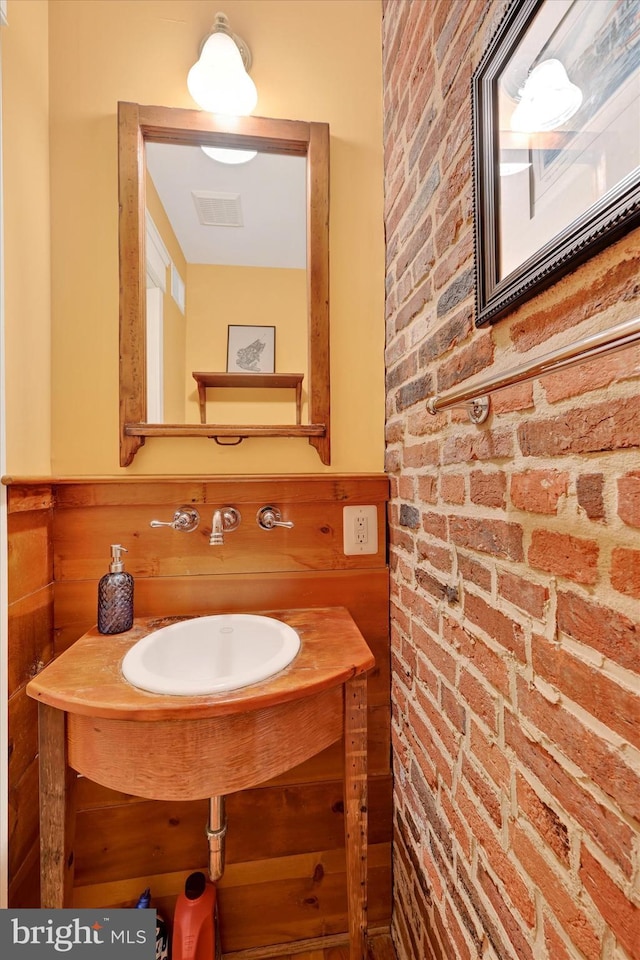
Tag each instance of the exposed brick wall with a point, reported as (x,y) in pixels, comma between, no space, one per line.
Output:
(515,554)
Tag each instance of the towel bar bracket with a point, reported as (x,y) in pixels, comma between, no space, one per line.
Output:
(478,408)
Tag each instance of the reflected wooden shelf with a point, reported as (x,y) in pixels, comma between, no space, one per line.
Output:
(207,381)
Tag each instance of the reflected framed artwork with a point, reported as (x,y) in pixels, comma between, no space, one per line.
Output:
(251,349)
(556,144)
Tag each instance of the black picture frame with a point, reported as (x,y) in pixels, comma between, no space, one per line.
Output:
(616,211)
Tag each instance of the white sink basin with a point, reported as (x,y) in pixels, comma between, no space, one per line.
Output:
(210,654)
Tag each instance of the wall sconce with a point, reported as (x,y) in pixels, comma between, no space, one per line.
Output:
(548,99)
(218,81)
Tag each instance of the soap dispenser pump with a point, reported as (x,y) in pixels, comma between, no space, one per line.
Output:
(115,595)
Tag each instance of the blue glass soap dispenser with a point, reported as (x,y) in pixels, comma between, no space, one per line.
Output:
(115,595)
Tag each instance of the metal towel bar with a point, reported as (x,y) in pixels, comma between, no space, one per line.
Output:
(474,395)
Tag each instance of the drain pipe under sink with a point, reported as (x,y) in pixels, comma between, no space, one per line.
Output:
(216,831)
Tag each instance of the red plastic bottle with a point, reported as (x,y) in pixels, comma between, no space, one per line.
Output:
(194,921)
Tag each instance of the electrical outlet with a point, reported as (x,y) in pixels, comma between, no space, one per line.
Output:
(360,530)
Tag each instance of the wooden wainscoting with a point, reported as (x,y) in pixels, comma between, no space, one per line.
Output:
(285,866)
(30,647)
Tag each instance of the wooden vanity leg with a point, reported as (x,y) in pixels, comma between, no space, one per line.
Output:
(57,810)
(355,802)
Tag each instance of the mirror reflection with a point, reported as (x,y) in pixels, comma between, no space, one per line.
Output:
(294,399)
(226,246)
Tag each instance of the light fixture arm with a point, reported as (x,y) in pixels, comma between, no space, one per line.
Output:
(221,25)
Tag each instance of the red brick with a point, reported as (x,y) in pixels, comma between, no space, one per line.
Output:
(455,183)
(452,487)
(426,453)
(606,829)
(435,524)
(463,951)
(439,557)
(419,737)
(629,499)
(518,397)
(457,257)
(555,945)
(442,661)
(515,934)
(488,489)
(620,915)
(601,628)
(448,231)
(483,789)
(497,625)
(559,901)
(466,362)
(453,708)
(625,571)
(406,488)
(606,700)
(459,829)
(564,555)
(427,489)
(596,757)
(589,490)
(476,652)
(546,821)
(449,738)
(614,425)
(538,491)
(496,537)
(490,757)
(474,572)
(592,375)
(487,445)
(575,301)
(482,701)
(528,596)
(501,863)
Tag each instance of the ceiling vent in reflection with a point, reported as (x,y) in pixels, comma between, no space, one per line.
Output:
(218,209)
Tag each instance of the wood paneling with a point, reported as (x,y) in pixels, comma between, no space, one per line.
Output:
(31,632)
(285,874)
(30,647)
(380,947)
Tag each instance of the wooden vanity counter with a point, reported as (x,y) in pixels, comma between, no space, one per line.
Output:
(165,747)
(87,678)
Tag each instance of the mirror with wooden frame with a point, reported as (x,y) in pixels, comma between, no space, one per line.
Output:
(139,125)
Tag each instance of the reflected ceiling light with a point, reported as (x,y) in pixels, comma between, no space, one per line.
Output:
(548,99)
(225,155)
(218,81)
(508,168)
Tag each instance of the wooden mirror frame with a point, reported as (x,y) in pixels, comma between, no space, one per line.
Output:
(137,124)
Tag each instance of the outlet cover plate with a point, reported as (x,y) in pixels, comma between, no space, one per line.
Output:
(360,530)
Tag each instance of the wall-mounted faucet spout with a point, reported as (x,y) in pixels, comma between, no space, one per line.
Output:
(217,533)
(224,520)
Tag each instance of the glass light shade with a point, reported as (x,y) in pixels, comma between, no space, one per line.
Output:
(548,99)
(225,155)
(218,82)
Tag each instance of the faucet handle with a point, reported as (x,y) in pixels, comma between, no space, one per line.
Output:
(185,519)
(270,517)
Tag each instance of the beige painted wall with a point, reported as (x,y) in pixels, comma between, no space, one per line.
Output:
(174,325)
(26,240)
(260,296)
(102,51)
